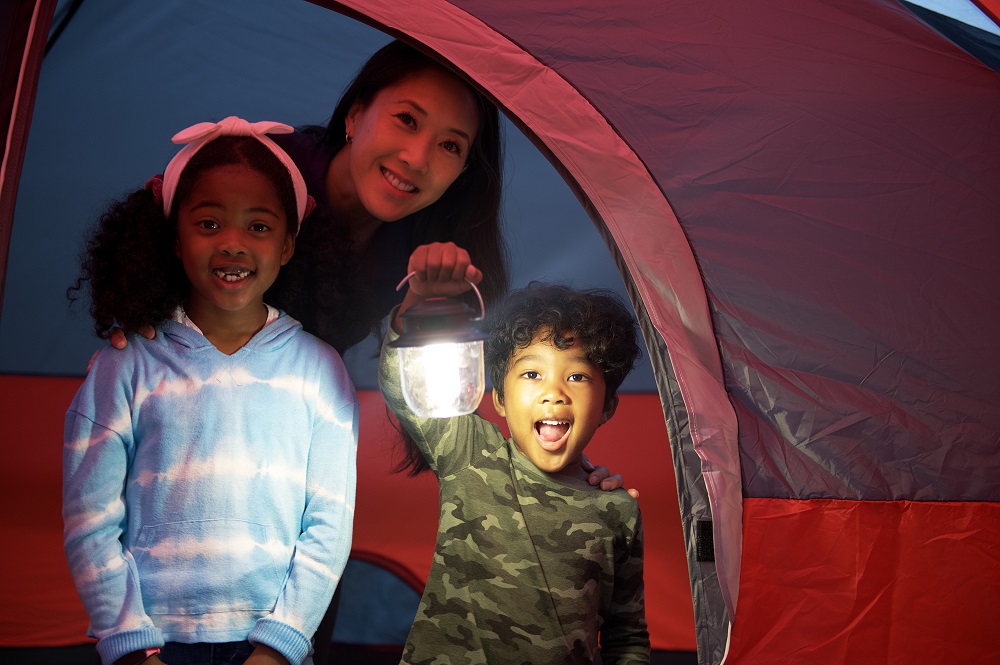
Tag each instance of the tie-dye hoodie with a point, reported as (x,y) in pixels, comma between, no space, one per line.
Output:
(210,498)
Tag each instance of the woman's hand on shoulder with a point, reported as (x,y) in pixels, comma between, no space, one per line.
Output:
(119,341)
(602,477)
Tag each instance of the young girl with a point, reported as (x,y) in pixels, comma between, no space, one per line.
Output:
(209,473)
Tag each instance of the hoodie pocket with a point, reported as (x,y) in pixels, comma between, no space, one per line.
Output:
(208,566)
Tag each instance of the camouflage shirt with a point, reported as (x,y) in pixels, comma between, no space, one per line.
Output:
(528,568)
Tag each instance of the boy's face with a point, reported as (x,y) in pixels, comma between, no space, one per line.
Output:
(553,403)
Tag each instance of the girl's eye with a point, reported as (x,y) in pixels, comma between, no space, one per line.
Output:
(208,224)
(259,227)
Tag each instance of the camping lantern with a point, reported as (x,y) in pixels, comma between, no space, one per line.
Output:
(440,355)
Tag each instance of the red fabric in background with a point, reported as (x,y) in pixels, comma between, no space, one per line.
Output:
(868,582)
(395,518)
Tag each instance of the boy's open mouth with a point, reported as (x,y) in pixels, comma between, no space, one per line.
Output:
(232,274)
(551,432)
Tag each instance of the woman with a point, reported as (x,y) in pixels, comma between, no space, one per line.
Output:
(412,155)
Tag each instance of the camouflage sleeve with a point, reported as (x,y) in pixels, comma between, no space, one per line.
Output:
(446,443)
(624,635)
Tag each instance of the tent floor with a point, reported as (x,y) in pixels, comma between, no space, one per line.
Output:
(85,654)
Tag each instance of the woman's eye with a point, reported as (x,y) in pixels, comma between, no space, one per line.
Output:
(453,147)
(407,119)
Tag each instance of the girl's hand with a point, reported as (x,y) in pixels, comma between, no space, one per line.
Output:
(442,269)
(602,476)
(265,655)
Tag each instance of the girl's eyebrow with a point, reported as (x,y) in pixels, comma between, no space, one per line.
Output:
(256,210)
(420,109)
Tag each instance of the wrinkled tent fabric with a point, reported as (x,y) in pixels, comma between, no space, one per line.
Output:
(802,198)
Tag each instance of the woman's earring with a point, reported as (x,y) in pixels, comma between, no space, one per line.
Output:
(347,137)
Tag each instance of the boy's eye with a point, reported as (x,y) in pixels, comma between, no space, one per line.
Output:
(530,374)
(578,377)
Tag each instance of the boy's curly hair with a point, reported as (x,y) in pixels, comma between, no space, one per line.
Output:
(595,318)
(130,265)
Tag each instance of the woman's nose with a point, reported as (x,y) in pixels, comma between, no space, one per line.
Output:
(416,154)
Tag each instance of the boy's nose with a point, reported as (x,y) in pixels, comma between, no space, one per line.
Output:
(553,394)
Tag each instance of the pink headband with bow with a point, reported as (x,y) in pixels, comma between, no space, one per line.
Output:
(199,135)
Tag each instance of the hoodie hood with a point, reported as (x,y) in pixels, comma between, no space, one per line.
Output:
(270,338)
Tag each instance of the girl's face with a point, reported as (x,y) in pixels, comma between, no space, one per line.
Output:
(232,238)
(409,144)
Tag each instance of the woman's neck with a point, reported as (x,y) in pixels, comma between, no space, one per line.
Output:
(345,204)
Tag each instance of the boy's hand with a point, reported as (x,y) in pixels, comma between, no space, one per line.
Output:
(440,269)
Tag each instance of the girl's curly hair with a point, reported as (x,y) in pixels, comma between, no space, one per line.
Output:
(129,264)
(594,318)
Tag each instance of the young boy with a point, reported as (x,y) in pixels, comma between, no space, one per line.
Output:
(532,564)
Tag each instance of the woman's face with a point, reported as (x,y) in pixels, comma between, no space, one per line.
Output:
(409,144)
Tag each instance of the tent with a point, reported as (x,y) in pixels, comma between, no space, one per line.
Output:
(801,199)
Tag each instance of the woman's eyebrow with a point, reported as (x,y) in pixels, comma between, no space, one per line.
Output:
(422,111)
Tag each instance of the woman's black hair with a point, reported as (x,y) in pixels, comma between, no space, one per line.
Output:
(596,319)
(468,213)
(130,265)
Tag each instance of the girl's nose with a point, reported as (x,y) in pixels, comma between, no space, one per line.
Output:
(231,242)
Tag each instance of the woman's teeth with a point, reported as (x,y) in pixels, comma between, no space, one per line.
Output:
(397,183)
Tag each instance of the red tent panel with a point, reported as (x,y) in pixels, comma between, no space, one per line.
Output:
(868,583)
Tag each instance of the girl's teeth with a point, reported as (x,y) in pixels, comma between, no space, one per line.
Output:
(232,276)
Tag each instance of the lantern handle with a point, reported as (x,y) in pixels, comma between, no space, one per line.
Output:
(482,307)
